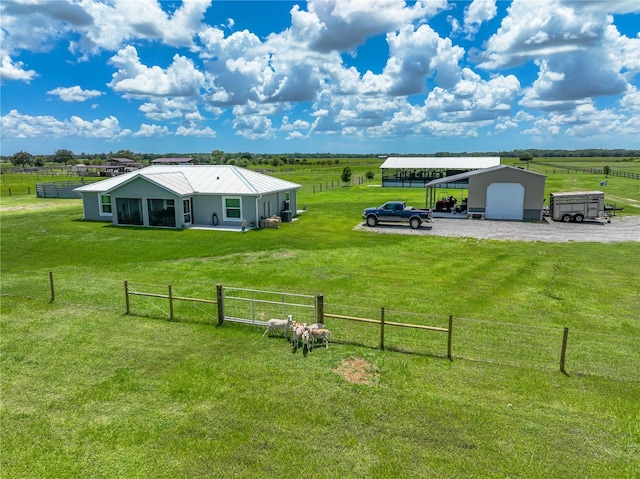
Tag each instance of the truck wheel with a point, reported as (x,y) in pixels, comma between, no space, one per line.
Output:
(578,218)
(372,221)
(566,218)
(415,223)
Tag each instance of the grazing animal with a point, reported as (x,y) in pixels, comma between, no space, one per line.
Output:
(322,334)
(297,330)
(305,339)
(284,324)
(317,326)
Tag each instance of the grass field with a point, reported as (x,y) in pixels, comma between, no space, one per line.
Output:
(88,391)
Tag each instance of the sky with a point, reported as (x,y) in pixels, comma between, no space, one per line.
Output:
(335,76)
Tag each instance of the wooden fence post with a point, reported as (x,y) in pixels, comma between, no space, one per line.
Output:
(126,295)
(565,336)
(53,294)
(449,333)
(220,301)
(170,304)
(320,309)
(382,328)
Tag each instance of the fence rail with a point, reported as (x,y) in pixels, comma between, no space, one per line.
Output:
(529,346)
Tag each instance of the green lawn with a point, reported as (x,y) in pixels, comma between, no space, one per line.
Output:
(88,391)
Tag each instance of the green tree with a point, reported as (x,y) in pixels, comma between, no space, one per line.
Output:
(606,169)
(526,157)
(369,175)
(62,156)
(22,158)
(125,154)
(346,174)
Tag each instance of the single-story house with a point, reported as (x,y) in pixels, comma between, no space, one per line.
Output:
(416,172)
(186,196)
(501,192)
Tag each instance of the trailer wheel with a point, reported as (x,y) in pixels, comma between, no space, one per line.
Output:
(578,218)
(566,218)
(415,223)
(372,220)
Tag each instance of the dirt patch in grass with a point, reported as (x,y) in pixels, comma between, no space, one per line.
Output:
(359,371)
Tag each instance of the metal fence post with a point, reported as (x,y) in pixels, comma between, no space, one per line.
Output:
(126,295)
(320,309)
(220,301)
(382,328)
(53,294)
(449,334)
(565,336)
(170,304)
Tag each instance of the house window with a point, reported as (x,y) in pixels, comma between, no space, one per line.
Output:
(105,204)
(129,211)
(161,212)
(232,208)
(186,211)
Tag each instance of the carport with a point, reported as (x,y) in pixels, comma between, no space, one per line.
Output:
(501,193)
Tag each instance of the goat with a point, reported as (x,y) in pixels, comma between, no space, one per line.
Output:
(284,324)
(317,326)
(297,330)
(320,333)
(305,338)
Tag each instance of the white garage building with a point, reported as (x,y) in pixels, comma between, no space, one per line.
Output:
(499,193)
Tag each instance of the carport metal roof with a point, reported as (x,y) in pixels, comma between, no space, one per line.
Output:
(428,162)
(467,174)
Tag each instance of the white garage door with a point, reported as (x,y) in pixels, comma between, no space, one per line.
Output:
(505,201)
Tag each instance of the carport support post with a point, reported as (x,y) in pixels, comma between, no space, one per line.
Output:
(382,328)
(220,301)
(126,295)
(565,336)
(320,309)
(449,333)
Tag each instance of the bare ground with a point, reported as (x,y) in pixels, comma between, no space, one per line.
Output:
(626,228)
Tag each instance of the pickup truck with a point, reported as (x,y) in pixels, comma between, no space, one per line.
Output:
(394,212)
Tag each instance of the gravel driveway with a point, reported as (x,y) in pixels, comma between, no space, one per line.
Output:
(626,228)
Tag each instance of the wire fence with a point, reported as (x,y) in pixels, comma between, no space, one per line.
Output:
(510,344)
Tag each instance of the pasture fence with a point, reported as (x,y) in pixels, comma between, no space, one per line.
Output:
(592,170)
(542,347)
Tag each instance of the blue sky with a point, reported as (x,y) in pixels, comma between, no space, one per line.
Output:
(353,76)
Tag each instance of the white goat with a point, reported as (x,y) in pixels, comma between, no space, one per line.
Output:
(299,331)
(316,326)
(284,324)
(305,338)
(320,333)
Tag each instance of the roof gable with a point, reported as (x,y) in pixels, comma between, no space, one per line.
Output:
(464,176)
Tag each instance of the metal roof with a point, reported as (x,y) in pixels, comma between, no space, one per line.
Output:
(198,179)
(467,174)
(454,162)
(171,160)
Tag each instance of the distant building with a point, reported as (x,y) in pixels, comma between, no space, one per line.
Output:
(172,161)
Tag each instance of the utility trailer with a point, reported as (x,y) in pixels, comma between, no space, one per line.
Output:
(577,206)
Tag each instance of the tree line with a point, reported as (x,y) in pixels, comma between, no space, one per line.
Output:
(67,157)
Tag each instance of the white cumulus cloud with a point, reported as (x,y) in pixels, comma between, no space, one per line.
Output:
(74,93)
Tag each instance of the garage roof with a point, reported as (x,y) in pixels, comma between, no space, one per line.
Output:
(196,179)
(467,174)
(455,162)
